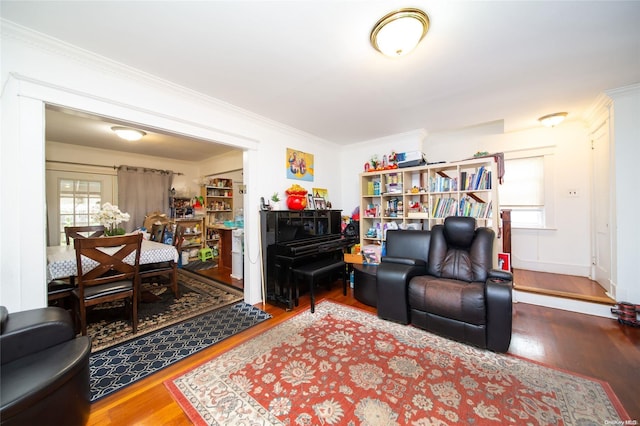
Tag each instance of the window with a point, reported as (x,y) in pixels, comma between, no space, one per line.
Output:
(70,195)
(523,191)
(78,201)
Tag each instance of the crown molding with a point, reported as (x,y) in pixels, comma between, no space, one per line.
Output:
(51,45)
(605,100)
(64,96)
(601,103)
(624,90)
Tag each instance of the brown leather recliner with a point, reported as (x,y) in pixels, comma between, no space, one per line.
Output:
(460,296)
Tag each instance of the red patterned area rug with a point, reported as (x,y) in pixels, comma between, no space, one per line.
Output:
(348,367)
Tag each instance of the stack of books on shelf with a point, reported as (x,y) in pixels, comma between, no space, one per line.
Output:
(444,207)
(373,187)
(443,184)
(475,181)
(472,208)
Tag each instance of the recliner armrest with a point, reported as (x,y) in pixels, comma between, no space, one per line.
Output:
(31,331)
(500,274)
(499,308)
(403,261)
(392,289)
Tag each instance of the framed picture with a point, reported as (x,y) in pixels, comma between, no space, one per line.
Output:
(310,203)
(320,192)
(299,165)
(319,203)
(504,261)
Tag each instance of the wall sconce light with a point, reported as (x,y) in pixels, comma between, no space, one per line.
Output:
(128,133)
(552,120)
(399,32)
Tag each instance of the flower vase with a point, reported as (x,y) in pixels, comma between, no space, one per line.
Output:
(113,231)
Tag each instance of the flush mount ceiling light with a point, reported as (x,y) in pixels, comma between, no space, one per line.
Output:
(552,120)
(128,133)
(399,32)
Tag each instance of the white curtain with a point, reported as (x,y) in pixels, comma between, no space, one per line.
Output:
(524,185)
(142,191)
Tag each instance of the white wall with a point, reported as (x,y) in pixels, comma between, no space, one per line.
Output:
(353,158)
(223,163)
(36,70)
(565,246)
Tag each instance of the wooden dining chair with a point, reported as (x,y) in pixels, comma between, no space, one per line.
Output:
(108,270)
(90,231)
(60,292)
(164,274)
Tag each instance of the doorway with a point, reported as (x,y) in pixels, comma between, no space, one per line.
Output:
(73,139)
(600,149)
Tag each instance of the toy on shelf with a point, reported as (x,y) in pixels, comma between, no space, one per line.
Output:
(388,162)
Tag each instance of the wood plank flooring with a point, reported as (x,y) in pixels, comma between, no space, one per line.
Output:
(567,286)
(224,276)
(596,347)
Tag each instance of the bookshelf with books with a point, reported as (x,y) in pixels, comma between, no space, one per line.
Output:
(218,203)
(421,197)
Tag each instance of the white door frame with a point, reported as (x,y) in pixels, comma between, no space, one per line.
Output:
(601,248)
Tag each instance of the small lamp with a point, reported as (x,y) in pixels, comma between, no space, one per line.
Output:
(399,32)
(128,133)
(552,120)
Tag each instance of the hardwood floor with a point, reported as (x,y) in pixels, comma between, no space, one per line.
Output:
(596,347)
(223,275)
(567,286)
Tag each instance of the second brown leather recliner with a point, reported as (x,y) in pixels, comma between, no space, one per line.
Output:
(459,295)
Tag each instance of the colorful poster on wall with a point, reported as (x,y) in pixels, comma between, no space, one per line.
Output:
(299,165)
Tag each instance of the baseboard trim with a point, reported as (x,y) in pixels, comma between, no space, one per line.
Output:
(564,303)
(554,268)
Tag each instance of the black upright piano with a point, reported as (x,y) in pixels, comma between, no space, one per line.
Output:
(291,238)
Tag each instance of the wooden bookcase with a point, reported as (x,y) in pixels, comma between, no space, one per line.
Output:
(193,236)
(421,197)
(218,204)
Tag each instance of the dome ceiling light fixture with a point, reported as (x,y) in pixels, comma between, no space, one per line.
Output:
(552,120)
(128,133)
(399,32)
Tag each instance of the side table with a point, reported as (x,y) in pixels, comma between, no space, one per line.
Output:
(364,284)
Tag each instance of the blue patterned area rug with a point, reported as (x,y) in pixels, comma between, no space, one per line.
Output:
(119,366)
(108,324)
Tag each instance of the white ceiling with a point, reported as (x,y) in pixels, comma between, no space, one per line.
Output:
(309,64)
(77,128)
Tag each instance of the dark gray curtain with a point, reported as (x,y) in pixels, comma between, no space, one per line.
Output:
(142,191)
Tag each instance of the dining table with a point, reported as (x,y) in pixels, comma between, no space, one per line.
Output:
(61,260)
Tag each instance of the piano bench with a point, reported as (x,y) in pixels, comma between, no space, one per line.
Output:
(312,272)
